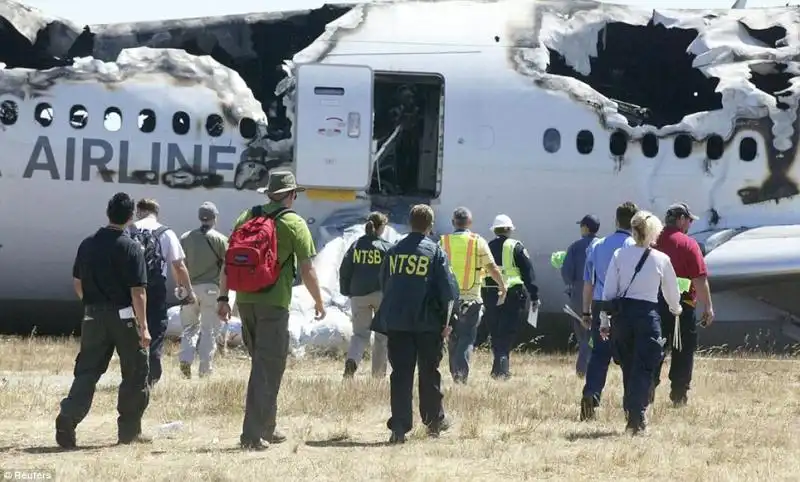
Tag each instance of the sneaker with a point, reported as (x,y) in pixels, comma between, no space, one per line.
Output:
(587,408)
(137,439)
(255,445)
(350,367)
(397,438)
(276,438)
(435,429)
(65,433)
(186,369)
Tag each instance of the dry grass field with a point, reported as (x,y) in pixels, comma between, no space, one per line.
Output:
(742,423)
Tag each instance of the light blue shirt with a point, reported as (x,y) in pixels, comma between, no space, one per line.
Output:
(598,257)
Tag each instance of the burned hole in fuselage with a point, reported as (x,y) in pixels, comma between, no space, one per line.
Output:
(773,37)
(772,78)
(406,134)
(649,71)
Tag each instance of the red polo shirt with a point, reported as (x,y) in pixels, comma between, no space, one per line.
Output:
(686,257)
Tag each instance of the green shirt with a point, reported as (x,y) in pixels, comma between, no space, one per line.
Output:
(294,239)
(205,254)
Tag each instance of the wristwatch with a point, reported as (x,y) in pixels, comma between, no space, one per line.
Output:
(222,299)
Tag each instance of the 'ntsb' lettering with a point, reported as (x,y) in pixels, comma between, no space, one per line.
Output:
(367,256)
(409,264)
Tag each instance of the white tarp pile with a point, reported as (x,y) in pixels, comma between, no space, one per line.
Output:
(332,334)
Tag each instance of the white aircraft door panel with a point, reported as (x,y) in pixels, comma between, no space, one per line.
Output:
(333,126)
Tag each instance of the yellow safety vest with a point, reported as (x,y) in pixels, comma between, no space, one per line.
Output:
(511,273)
(462,251)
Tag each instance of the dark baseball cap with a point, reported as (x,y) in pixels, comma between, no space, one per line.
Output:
(591,222)
(681,209)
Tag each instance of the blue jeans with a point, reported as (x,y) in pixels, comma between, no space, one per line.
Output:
(599,360)
(462,338)
(636,334)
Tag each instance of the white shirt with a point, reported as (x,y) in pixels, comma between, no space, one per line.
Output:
(657,272)
(170,244)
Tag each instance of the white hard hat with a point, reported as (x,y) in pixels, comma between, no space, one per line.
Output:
(502,221)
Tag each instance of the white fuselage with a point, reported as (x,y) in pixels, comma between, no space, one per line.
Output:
(494,160)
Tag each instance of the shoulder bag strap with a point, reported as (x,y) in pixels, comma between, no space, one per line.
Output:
(636,271)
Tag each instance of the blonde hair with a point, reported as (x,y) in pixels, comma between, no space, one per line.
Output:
(421,218)
(645,227)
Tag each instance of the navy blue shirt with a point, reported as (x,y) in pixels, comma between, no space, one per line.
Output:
(521,259)
(361,266)
(572,269)
(417,284)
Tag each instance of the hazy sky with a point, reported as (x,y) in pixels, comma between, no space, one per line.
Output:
(104,11)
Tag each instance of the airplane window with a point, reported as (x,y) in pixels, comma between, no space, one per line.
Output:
(112,119)
(43,114)
(682,146)
(618,143)
(215,125)
(650,145)
(180,123)
(714,147)
(584,142)
(247,128)
(78,116)
(9,112)
(551,140)
(147,121)
(748,149)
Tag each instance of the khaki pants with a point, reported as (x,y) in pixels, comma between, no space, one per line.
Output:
(364,308)
(200,319)
(265,333)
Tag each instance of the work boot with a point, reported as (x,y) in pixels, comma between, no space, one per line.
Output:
(65,433)
(636,425)
(397,438)
(350,367)
(276,438)
(186,369)
(587,408)
(255,445)
(679,398)
(435,429)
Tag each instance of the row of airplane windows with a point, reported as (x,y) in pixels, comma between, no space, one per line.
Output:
(682,146)
(551,140)
(112,119)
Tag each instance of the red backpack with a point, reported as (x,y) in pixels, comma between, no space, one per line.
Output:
(251,261)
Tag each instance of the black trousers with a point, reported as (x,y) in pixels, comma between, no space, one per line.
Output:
(504,322)
(407,350)
(102,331)
(680,370)
(157,325)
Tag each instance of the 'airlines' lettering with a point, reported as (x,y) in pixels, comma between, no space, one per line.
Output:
(366,256)
(409,264)
(99,156)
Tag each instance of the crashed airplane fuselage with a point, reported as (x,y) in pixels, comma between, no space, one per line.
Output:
(539,110)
